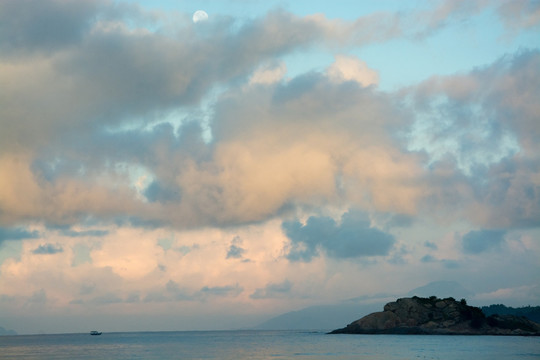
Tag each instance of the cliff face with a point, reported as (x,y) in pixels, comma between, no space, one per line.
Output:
(438,316)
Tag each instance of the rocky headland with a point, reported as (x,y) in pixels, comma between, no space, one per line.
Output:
(434,316)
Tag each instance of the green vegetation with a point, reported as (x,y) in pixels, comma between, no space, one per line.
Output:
(508,322)
(530,312)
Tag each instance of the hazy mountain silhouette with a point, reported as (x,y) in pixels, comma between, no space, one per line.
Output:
(322,317)
(332,316)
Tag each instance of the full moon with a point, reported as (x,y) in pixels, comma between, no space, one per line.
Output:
(200,15)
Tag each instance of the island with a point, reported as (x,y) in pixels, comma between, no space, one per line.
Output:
(435,316)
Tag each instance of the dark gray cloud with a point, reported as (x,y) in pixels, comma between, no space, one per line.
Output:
(45,25)
(228,290)
(235,250)
(447,263)
(272,291)
(352,238)
(478,241)
(428,258)
(157,191)
(48,249)
(85,233)
(17,234)
(178,293)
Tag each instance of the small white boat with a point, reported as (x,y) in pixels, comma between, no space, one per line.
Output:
(94,332)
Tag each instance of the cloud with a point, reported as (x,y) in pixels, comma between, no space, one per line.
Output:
(133,298)
(48,249)
(493,101)
(331,135)
(17,234)
(109,298)
(511,296)
(352,238)
(63,202)
(84,233)
(128,262)
(147,77)
(309,145)
(268,73)
(221,291)
(38,297)
(350,68)
(271,291)
(157,192)
(81,255)
(479,241)
(46,25)
(478,131)
(445,12)
(442,288)
(447,263)
(156,296)
(145,73)
(428,258)
(337,142)
(87,289)
(235,250)
(178,293)
(519,14)
(451,264)
(400,220)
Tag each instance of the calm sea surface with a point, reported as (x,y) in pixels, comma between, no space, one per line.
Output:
(265,345)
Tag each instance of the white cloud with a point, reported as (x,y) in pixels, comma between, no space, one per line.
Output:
(514,296)
(350,68)
(269,74)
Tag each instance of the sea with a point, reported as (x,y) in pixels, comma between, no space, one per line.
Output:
(254,344)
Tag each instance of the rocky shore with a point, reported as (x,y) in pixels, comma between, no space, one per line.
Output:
(434,316)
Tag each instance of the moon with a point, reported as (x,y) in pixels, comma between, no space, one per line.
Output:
(200,15)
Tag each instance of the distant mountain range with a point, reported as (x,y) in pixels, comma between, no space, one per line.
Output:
(322,317)
(333,316)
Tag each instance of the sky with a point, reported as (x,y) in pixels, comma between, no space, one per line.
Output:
(161,173)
